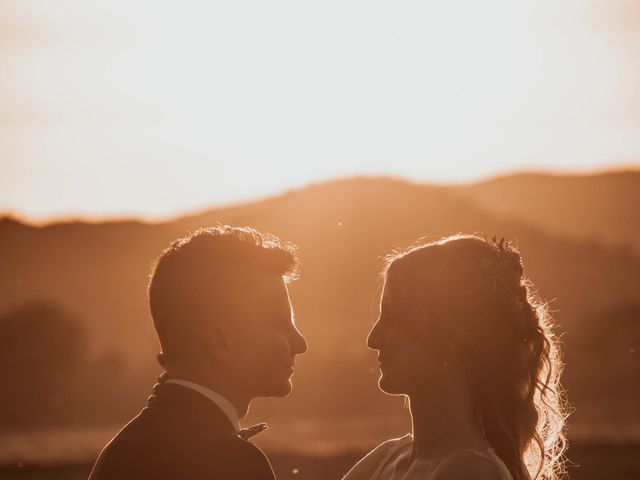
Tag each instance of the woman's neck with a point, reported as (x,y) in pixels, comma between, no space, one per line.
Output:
(444,421)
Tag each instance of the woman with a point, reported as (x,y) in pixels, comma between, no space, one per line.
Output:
(462,334)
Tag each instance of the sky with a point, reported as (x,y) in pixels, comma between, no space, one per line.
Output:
(154,107)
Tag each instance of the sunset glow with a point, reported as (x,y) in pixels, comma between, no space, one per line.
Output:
(153,108)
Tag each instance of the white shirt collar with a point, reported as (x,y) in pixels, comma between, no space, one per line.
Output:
(225,405)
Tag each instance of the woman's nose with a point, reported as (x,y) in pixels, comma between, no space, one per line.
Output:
(375,337)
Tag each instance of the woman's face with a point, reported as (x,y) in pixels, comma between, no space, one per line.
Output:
(407,364)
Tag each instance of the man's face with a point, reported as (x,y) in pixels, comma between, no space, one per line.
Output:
(267,340)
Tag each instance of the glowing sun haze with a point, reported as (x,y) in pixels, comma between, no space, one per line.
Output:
(156,107)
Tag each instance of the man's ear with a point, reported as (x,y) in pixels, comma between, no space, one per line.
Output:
(219,343)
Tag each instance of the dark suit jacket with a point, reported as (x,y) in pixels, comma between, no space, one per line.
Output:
(180,435)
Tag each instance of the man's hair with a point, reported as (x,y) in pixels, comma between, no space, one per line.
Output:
(207,276)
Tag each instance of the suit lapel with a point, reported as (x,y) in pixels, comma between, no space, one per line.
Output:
(193,404)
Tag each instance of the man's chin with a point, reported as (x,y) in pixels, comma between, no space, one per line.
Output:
(281,390)
(286,388)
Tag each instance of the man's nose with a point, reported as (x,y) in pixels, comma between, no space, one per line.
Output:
(298,343)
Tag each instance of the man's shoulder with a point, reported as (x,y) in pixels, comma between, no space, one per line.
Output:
(152,447)
(251,461)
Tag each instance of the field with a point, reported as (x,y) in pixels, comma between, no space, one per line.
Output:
(587,461)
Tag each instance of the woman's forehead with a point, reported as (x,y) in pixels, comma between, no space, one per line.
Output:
(388,294)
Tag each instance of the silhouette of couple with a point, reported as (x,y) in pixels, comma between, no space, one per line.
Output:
(460,333)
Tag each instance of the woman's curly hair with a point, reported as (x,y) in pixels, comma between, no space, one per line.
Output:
(481,308)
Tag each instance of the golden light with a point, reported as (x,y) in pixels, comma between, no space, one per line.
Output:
(151,108)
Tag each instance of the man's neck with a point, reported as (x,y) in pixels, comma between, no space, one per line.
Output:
(239,400)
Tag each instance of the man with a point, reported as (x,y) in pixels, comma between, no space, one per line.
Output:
(221,308)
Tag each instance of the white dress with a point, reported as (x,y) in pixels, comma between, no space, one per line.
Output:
(391,460)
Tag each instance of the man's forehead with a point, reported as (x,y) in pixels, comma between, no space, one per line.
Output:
(270,285)
(270,292)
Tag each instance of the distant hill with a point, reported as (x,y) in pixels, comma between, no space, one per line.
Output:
(343,228)
(603,207)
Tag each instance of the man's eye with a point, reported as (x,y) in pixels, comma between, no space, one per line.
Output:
(286,325)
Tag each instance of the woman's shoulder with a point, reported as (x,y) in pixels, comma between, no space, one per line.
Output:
(389,447)
(376,458)
(393,444)
(466,464)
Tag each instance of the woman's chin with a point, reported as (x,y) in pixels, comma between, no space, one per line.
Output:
(387,385)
